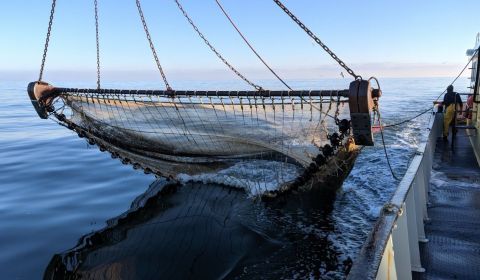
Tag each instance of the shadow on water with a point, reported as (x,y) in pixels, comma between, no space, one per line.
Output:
(207,232)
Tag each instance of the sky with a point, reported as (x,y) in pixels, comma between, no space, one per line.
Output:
(386,38)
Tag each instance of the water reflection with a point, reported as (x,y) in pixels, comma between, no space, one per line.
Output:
(197,231)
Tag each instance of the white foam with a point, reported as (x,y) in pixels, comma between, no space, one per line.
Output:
(255,176)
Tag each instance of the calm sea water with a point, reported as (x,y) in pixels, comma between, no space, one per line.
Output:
(56,192)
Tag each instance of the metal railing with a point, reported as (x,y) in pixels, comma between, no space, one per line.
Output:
(392,251)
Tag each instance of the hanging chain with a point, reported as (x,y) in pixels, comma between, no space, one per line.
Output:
(250,46)
(98,43)
(47,40)
(257,87)
(152,47)
(317,40)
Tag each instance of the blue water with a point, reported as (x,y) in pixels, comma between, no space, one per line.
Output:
(55,188)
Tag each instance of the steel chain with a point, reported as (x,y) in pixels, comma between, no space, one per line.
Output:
(47,40)
(152,47)
(98,43)
(257,87)
(249,45)
(317,40)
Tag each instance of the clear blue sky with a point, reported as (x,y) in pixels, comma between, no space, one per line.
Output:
(389,38)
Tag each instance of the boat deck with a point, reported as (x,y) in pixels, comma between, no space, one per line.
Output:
(453,250)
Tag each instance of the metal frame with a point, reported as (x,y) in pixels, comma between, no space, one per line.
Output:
(475,90)
(361,96)
(212,93)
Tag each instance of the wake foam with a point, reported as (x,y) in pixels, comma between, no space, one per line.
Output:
(255,177)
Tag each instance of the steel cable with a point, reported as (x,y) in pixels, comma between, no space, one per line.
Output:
(212,48)
(431,108)
(250,46)
(377,111)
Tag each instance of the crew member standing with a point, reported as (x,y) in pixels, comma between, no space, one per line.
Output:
(450,99)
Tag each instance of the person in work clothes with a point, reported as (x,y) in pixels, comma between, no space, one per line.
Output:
(450,99)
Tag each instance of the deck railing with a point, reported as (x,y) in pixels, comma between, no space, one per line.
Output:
(392,248)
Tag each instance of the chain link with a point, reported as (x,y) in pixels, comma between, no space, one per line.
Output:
(98,43)
(152,47)
(47,40)
(249,45)
(317,40)
(257,87)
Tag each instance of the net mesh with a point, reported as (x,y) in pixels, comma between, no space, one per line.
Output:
(254,142)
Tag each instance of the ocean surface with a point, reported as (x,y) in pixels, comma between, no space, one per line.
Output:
(64,203)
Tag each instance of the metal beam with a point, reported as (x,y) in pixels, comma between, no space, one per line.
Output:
(209,93)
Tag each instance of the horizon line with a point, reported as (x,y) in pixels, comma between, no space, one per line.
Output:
(382,70)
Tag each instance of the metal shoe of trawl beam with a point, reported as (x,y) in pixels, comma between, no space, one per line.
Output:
(38,91)
(361,102)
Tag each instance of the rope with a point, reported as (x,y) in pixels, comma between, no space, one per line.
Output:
(460,74)
(257,87)
(408,120)
(414,117)
(152,47)
(385,149)
(431,108)
(47,40)
(250,46)
(377,111)
(265,63)
(317,40)
(98,43)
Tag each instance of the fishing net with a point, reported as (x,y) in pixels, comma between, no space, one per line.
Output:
(263,141)
(255,142)
(207,232)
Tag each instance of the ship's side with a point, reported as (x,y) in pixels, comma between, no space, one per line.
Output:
(474,134)
(429,228)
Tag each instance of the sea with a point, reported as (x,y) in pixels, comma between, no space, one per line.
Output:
(68,210)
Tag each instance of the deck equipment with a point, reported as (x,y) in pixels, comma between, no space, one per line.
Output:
(290,138)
